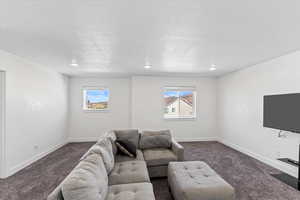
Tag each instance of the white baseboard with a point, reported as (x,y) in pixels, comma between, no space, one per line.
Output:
(202,139)
(274,163)
(85,139)
(95,139)
(291,170)
(26,163)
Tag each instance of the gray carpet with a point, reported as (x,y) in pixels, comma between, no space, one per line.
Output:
(248,176)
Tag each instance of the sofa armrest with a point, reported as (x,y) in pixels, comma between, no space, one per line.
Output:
(178,150)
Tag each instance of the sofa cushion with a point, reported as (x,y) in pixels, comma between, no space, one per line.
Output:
(159,156)
(87,181)
(129,172)
(122,158)
(133,191)
(130,134)
(155,139)
(104,148)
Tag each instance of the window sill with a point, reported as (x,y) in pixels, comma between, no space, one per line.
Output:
(95,111)
(181,118)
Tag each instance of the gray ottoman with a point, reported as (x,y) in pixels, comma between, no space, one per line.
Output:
(195,180)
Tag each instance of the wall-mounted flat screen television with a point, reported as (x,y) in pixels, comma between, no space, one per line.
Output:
(282,112)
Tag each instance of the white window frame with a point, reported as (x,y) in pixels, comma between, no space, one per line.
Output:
(83,92)
(181,88)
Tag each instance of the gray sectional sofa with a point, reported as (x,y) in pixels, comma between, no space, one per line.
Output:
(103,174)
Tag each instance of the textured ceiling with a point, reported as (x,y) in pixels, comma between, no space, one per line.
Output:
(182,37)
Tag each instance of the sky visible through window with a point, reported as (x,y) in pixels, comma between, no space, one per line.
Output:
(95,96)
(177,93)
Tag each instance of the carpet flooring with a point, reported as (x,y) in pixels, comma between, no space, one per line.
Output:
(250,178)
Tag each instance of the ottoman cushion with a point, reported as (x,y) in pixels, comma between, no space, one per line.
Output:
(195,180)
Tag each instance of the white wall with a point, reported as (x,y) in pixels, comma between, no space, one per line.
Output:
(147,107)
(240,109)
(88,126)
(137,102)
(2,125)
(36,111)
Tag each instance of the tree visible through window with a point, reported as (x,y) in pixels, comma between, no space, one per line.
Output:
(95,99)
(179,102)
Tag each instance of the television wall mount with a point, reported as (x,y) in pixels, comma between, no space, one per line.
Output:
(281,134)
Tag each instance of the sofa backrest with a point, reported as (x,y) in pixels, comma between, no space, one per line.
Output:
(90,156)
(87,181)
(112,136)
(104,148)
(155,139)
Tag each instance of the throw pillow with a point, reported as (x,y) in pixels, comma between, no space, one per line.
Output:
(131,135)
(126,147)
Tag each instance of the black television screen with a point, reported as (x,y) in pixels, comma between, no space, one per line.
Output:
(282,112)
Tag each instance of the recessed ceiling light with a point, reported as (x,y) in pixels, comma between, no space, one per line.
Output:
(213,67)
(74,63)
(147,66)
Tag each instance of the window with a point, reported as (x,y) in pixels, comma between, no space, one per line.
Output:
(180,102)
(95,99)
(166,110)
